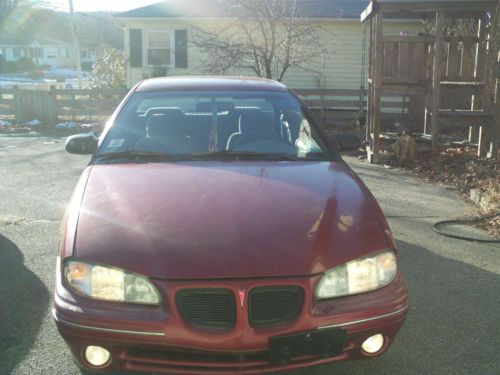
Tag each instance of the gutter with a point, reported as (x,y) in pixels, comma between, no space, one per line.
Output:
(322,19)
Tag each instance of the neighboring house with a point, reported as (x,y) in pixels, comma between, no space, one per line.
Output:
(42,52)
(52,53)
(90,51)
(157,36)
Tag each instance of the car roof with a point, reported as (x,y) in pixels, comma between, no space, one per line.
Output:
(208,83)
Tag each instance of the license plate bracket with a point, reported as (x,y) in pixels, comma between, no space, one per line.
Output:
(327,342)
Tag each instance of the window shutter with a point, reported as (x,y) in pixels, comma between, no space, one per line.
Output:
(135,40)
(181,49)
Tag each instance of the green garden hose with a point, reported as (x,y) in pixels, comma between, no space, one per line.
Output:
(437,228)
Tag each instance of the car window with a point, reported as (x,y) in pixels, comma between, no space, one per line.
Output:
(195,123)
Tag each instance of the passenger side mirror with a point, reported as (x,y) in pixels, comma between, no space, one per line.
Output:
(81,144)
(347,141)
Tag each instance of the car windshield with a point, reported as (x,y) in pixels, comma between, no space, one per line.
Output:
(206,124)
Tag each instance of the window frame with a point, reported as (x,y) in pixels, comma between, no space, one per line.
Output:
(146,48)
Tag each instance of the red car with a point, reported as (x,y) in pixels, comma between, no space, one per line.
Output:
(217,230)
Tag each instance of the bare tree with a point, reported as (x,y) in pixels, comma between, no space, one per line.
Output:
(460,27)
(6,7)
(267,36)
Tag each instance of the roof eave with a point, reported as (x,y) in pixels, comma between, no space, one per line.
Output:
(226,17)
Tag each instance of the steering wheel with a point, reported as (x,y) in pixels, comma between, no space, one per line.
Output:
(261,136)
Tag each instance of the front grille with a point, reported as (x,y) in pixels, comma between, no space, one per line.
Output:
(271,305)
(207,307)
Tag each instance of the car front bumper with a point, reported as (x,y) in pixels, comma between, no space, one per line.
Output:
(157,339)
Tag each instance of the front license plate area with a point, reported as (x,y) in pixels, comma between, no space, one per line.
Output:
(325,343)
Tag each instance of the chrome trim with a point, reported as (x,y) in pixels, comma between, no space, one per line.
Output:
(366,320)
(100,329)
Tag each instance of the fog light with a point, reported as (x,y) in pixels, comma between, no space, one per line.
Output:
(97,356)
(373,344)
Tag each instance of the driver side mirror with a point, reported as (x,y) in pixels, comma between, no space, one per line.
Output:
(81,144)
(347,141)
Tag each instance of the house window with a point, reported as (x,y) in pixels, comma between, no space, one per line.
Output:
(39,52)
(84,54)
(158,48)
(17,52)
(64,52)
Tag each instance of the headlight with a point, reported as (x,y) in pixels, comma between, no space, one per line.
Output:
(108,283)
(361,275)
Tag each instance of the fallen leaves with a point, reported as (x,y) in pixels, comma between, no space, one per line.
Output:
(462,168)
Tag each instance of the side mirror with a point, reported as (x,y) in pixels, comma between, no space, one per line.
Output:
(347,141)
(81,144)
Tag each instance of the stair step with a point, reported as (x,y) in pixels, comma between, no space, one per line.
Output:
(465,113)
(458,84)
(458,118)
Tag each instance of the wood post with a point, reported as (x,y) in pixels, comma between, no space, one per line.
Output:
(17,103)
(369,100)
(478,77)
(436,78)
(51,103)
(377,82)
(495,131)
(428,89)
(487,99)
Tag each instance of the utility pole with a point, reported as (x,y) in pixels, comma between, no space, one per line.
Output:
(76,47)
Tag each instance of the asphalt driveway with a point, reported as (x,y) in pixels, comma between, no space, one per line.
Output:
(453,325)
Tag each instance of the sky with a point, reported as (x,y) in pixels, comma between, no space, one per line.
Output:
(97,5)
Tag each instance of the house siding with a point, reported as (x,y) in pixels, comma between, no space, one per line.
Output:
(341,70)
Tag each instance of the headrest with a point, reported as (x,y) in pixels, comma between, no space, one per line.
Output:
(164,125)
(256,121)
(221,106)
(155,110)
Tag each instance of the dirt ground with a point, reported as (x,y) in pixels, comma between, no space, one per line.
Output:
(472,176)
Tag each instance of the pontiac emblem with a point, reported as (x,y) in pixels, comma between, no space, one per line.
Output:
(241,294)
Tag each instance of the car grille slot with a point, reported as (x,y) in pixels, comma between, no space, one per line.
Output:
(272,305)
(207,307)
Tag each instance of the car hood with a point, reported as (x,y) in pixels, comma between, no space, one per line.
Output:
(208,220)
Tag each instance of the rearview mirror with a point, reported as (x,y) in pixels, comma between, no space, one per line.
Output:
(347,141)
(81,144)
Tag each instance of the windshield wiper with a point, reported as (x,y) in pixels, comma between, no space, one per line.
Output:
(232,154)
(141,155)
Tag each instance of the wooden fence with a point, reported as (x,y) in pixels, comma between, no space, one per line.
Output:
(54,105)
(331,105)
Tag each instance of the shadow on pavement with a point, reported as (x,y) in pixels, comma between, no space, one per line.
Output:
(23,304)
(452,326)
